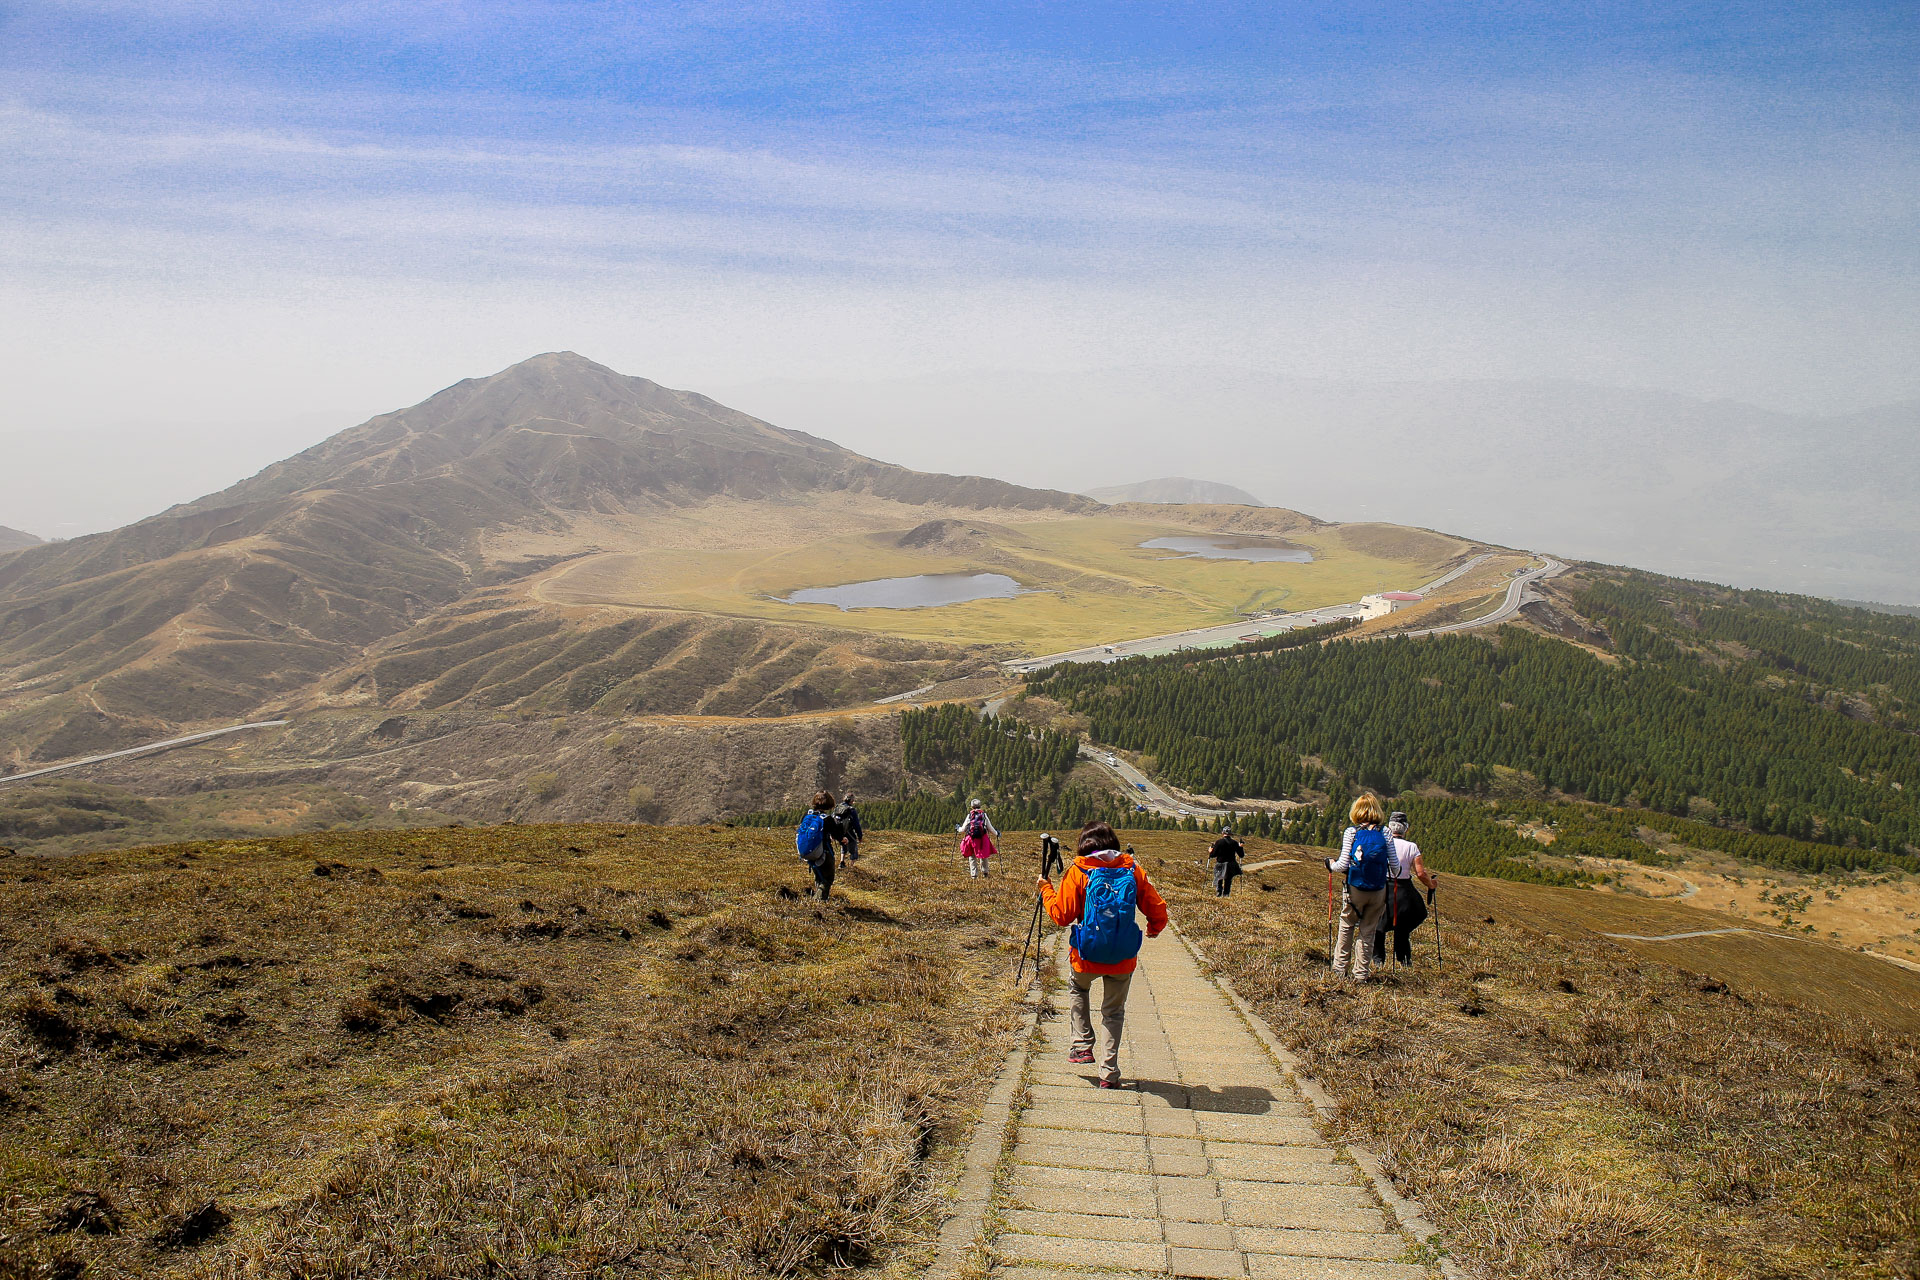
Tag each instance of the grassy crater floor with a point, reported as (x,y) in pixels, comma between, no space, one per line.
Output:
(520,1051)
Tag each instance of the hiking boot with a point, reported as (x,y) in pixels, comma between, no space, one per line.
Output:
(1080,1056)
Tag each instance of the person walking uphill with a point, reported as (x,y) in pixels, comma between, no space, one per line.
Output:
(1097,897)
(1225,853)
(1366,856)
(977,836)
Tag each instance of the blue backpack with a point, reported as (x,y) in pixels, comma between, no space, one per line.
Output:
(811,838)
(1372,856)
(1107,933)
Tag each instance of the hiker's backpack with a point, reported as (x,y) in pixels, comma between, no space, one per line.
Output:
(977,824)
(1107,933)
(1372,856)
(811,838)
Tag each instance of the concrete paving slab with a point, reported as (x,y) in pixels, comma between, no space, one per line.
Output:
(1108,1205)
(1227,1149)
(1325,1197)
(1089,1182)
(1087,1226)
(1259,1213)
(1077,1157)
(1221,1263)
(1379,1246)
(1269,1170)
(1120,1255)
(1286,1130)
(1200,1235)
(1192,1208)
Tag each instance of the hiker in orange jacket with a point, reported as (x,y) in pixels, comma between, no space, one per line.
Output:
(1100,848)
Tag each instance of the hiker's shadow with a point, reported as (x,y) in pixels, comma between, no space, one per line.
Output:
(1246,1100)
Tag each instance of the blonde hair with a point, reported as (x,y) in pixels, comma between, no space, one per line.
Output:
(1366,811)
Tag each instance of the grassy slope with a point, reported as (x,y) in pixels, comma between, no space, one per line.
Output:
(522,1050)
(1568,1106)
(1096,583)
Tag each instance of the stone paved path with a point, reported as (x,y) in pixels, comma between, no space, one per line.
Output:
(1208,1163)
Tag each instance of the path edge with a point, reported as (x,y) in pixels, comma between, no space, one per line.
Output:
(1411,1217)
(964,1230)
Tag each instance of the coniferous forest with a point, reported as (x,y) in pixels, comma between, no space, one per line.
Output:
(1765,714)
(1777,729)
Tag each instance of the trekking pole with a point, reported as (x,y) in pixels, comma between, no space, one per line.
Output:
(1393,891)
(1329,913)
(1433,901)
(1033,926)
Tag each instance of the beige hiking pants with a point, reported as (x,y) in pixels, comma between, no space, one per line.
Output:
(1113,1016)
(1360,912)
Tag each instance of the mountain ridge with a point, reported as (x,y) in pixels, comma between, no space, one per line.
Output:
(221,605)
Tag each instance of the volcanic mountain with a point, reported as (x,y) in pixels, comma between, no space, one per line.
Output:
(222,606)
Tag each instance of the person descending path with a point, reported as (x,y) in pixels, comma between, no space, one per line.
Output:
(1366,855)
(851,832)
(1225,853)
(819,829)
(1406,909)
(1097,898)
(977,836)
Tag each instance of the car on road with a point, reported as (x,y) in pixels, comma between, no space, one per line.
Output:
(1141,785)
(1112,759)
(1184,813)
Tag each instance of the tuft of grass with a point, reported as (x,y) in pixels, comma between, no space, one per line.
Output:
(535,1050)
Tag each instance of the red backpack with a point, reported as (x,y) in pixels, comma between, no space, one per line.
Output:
(977,824)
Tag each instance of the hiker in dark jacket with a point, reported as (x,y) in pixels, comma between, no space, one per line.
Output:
(822,863)
(851,832)
(1225,853)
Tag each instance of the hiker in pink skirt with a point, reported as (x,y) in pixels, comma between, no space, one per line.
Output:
(977,834)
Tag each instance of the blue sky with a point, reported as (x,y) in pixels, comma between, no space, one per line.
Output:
(215,212)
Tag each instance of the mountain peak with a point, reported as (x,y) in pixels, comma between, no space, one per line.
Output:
(1177,489)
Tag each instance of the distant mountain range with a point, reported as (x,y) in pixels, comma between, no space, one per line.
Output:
(15,539)
(218,606)
(1177,489)
(1709,489)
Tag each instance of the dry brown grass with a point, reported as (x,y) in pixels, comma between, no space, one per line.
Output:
(523,1051)
(1569,1107)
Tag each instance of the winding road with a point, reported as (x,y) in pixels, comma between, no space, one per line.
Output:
(1519,592)
(1228,633)
(1144,789)
(142,750)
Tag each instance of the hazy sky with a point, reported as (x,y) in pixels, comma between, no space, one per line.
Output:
(227,229)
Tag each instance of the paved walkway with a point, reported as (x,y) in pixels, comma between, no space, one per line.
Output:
(1208,1162)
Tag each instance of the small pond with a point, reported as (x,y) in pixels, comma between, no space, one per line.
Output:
(1227,547)
(921,591)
